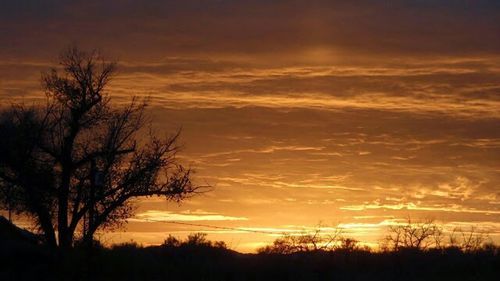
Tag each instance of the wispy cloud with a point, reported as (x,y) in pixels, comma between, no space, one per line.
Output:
(166,216)
(454,208)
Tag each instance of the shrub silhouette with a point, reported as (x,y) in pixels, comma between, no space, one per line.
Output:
(198,239)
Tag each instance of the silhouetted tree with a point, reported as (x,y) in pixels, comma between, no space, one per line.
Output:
(414,235)
(469,240)
(74,164)
(305,242)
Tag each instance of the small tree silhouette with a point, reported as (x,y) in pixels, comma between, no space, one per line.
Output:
(469,240)
(306,242)
(74,164)
(414,235)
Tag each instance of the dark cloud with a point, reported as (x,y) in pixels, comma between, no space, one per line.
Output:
(157,28)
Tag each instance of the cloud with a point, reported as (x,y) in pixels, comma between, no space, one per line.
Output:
(278,29)
(270,149)
(166,216)
(454,208)
(283,100)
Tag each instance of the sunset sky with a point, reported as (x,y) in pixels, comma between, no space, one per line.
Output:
(355,114)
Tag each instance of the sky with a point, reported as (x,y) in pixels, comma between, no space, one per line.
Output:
(351,114)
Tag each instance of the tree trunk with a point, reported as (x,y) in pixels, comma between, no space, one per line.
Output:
(62,215)
(48,231)
(44,218)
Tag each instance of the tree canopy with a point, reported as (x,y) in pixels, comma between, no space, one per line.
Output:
(74,164)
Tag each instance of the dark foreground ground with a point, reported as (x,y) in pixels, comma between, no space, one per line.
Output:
(195,262)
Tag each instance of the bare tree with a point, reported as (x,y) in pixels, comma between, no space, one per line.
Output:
(416,235)
(74,164)
(467,240)
(306,242)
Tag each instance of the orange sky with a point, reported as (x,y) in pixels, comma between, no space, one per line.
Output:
(297,112)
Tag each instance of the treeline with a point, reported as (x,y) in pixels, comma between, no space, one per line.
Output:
(197,258)
(420,235)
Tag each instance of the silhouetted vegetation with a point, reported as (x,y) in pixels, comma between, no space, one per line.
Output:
(313,241)
(74,164)
(427,234)
(197,258)
(408,235)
